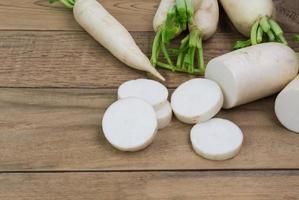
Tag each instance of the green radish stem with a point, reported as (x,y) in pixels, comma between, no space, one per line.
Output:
(188,48)
(259,36)
(67,3)
(176,22)
(253,35)
(265,25)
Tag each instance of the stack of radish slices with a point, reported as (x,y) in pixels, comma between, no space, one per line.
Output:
(131,123)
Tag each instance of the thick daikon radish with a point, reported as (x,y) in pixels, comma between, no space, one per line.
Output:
(130,124)
(105,29)
(196,100)
(150,91)
(254,19)
(287,106)
(164,115)
(216,139)
(254,72)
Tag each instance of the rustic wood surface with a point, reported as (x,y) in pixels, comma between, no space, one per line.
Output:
(56,82)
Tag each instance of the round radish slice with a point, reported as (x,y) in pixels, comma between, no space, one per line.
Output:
(216,139)
(150,91)
(196,100)
(130,124)
(164,115)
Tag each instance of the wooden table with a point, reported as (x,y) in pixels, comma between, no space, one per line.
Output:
(56,82)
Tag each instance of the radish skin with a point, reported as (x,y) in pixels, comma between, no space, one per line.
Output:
(150,91)
(216,139)
(105,29)
(286,106)
(244,13)
(254,72)
(164,115)
(196,100)
(130,124)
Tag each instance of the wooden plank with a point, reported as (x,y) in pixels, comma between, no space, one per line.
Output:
(60,129)
(73,59)
(236,185)
(136,15)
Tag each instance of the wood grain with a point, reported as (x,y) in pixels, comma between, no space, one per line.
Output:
(59,129)
(74,59)
(269,185)
(40,15)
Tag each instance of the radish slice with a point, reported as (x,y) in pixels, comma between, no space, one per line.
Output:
(150,91)
(286,106)
(216,139)
(164,115)
(196,100)
(130,124)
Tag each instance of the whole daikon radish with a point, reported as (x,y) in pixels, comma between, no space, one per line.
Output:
(202,26)
(254,72)
(104,28)
(254,19)
(287,106)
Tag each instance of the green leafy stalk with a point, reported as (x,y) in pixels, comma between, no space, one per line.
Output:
(242,44)
(259,36)
(253,34)
(277,31)
(176,22)
(263,30)
(190,48)
(296,38)
(67,3)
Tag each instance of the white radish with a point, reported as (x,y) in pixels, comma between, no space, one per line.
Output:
(150,91)
(196,100)
(254,19)
(130,124)
(161,14)
(206,18)
(252,73)
(216,139)
(164,115)
(244,14)
(105,29)
(202,26)
(287,106)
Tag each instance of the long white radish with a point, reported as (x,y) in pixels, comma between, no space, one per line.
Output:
(216,139)
(254,19)
(105,29)
(196,100)
(164,115)
(254,72)
(150,91)
(130,124)
(287,106)
(244,14)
